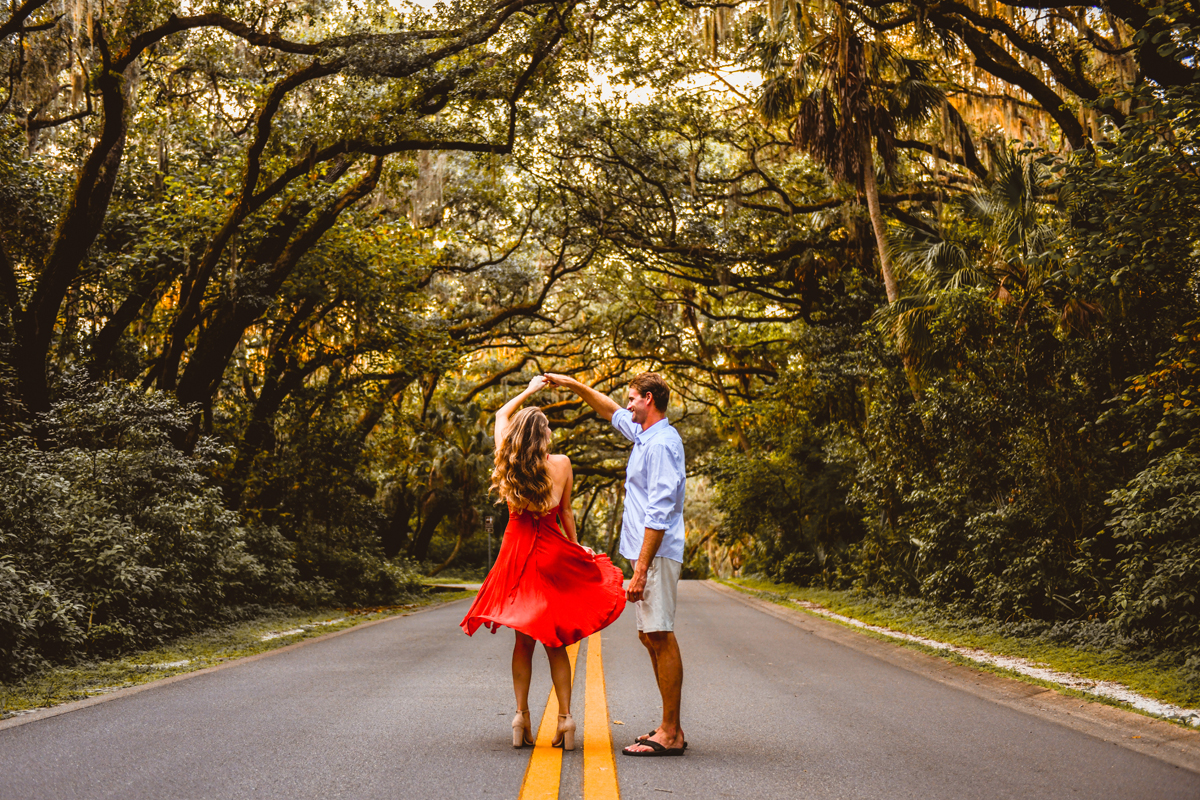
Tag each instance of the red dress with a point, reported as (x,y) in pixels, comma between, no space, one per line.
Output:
(545,586)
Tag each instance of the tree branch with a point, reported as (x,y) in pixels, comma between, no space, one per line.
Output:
(16,23)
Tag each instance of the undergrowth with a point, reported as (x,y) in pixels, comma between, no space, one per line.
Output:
(1088,649)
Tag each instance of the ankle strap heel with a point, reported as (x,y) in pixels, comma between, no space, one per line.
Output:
(521,730)
(565,738)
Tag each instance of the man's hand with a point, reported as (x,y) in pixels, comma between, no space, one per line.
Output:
(637,586)
(561,381)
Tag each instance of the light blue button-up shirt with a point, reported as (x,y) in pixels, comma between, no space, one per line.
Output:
(654,484)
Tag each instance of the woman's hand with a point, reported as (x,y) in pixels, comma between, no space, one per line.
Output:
(538,383)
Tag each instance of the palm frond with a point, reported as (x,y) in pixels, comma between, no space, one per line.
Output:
(777,98)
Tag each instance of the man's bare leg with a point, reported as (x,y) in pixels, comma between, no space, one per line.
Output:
(654,665)
(653,655)
(668,671)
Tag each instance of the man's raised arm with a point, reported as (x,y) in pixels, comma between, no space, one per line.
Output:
(601,403)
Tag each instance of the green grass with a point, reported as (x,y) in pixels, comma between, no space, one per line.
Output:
(1160,676)
(210,647)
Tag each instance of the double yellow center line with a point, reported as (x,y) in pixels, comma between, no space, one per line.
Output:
(543,774)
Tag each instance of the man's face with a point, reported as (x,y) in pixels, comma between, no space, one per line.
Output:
(639,405)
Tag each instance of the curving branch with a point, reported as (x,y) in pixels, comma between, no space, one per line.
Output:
(16,22)
(993,58)
(219,340)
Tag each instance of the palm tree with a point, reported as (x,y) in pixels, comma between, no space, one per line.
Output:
(998,242)
(844,97)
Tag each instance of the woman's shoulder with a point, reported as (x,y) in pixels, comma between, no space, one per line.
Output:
(558,460)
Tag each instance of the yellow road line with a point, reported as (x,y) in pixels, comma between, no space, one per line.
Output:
(599,769)
(545,764)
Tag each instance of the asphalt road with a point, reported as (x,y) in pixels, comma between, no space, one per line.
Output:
(411,708)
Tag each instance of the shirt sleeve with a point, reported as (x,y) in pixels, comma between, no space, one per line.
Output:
(661,489)
(622,420)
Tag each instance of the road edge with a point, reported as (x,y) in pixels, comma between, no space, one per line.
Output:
(1161,740)
(79,705)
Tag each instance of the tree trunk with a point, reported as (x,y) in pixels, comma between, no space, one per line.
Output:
(218,341)
(871,190)
(464,533)
(378,404)
(77,229)
(434,510)
(394,532)
(691,550)
(260,430)
(148,289)
(467,518)
(587,512)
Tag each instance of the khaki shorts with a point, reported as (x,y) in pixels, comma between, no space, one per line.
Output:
(656,609)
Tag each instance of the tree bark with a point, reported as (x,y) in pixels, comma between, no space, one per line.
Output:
(192,292)
(260,430)
(77,230)
(871,190)
(378,404)
(434,510)
(890,285)
(614,520)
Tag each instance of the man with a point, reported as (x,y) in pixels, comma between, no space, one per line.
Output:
(652,536)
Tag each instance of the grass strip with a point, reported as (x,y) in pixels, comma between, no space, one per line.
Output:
(1162,676)
(215,645)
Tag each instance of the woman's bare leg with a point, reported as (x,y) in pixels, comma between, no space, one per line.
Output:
(522,669)
(560,673)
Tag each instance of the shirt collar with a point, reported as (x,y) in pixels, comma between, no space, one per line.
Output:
(653,430)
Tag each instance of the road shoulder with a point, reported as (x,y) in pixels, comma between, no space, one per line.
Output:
(1172,744)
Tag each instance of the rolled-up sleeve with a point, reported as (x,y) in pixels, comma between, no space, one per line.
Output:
(662,504)
(622,420)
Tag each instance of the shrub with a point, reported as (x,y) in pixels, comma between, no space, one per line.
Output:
(1156,527)
(114,539)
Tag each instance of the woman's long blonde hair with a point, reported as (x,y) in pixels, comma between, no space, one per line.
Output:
(521,476)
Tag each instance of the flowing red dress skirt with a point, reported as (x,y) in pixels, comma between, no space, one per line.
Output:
(545,586)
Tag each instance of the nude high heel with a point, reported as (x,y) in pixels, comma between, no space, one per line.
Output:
(565,738)
(520,725)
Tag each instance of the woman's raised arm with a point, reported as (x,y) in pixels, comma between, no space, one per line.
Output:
(506,411)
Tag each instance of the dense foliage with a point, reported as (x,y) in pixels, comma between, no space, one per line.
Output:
(112,538)
(924,277)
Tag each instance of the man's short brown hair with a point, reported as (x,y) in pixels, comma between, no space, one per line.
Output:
(653,383)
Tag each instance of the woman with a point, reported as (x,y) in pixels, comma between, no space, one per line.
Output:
(544,585)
